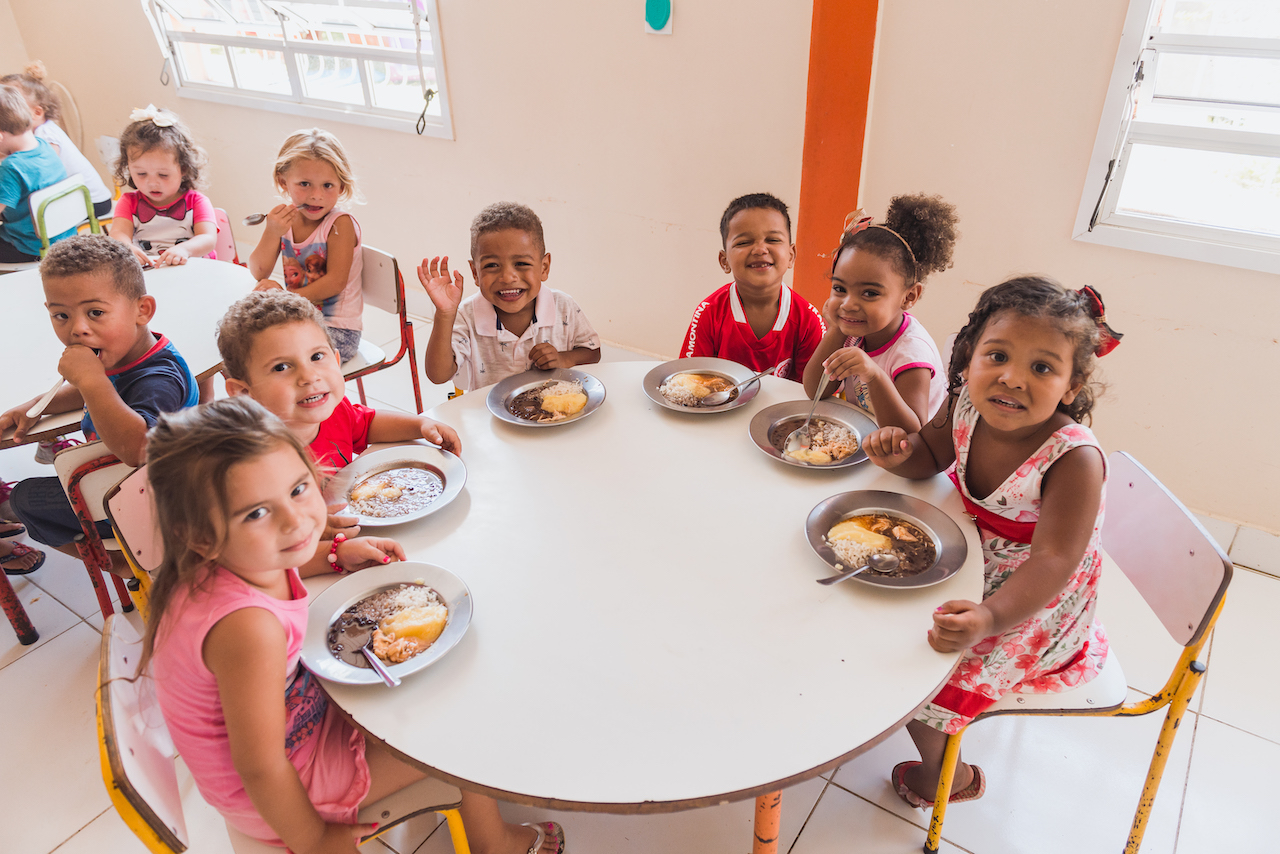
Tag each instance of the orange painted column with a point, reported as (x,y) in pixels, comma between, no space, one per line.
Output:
(841,48)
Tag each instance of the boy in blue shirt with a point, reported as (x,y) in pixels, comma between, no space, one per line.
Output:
(117,369)
(29,164)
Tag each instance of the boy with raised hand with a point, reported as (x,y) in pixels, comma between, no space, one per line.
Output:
(276,348)
(120,372)
(514,323)
(756,320)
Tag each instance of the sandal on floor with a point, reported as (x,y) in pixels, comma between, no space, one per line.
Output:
(12,562)
(976,789)
(20,529)
(545,829)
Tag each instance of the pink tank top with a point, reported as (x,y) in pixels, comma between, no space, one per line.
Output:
(309,260)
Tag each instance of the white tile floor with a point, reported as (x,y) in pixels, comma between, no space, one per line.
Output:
(1055,785)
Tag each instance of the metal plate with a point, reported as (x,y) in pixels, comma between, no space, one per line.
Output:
(443,464)
(502,394)
(948,539)
(731,371)
(767,420)
(342,594)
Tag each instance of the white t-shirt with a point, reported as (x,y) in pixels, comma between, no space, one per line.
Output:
(910,348)
(73,161)
(487,353)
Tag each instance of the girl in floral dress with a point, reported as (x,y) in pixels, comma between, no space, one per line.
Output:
(1032,476)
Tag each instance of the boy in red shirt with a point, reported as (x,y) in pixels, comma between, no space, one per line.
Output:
(756,320)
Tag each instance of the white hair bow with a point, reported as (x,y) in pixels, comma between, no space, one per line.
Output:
(158,118)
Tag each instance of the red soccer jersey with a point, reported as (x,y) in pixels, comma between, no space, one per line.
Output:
(343,434)
(720,328)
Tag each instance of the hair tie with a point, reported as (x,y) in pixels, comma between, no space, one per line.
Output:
(860,220)
(150,112)
(1108,338)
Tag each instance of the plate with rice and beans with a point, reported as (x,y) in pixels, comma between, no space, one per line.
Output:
(836,432)
(545,398)
(681,385)
(395,485)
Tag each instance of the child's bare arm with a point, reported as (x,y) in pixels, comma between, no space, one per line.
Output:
(388,426)
(446,294)
(262,260)
(546,357)
(120,428)
(122,230)
(354,554)
(341,251)
(67,399)
(244,651)
(912,455)
(1070,495)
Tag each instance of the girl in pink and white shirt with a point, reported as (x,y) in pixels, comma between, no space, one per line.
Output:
(886,360)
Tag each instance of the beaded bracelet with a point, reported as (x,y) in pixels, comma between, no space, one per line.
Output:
(338,539)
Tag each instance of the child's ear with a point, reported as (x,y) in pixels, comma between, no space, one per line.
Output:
(792,263)
(146,309)
(235,387)
(1070,396)
(912,296)
(724,262)
(475,277)
(546,266)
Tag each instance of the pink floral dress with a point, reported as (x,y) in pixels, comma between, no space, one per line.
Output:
(1061,646)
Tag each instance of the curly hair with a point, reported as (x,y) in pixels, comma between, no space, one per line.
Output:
(1036,297)
(320,145)
(749,202)
(145,135)
(95,253)
(15,115)
(189,454)
(926,223)
(31,82)
(503,215)
(255,313)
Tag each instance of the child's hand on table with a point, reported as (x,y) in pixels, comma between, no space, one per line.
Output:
(269,285)
(959,624)
(887,447)
(175,256)
(546,357)
(348,526)
(142,257)
(364,552)
(18,420)
(441,434)
(445,293)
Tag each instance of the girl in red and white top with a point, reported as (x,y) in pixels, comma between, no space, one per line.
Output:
(888,363)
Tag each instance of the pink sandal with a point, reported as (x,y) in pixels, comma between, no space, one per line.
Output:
(976,789)
(546,829)
(19,551)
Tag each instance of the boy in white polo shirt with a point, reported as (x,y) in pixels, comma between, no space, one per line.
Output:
(514,323)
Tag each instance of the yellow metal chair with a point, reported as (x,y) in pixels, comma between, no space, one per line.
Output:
(383,288)
(137,758)
(1182,574)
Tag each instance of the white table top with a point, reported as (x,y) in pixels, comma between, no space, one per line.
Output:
(646,617)
(190,300)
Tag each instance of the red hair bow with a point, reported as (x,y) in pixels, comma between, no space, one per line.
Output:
(857,221)
(1108,338)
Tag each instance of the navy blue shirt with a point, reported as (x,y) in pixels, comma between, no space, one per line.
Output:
(158,382)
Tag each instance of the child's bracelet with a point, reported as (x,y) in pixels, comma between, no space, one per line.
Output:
(338,539)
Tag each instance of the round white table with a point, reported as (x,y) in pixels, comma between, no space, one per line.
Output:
(648,636)
(190,300)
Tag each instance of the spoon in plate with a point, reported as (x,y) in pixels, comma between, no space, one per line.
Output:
(718,397)
(800,439)
(881,563)
(377,665)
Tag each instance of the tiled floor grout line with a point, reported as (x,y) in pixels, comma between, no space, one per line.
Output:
(86,824)
(922,827)
(439,824)
(805,823)
(46,641)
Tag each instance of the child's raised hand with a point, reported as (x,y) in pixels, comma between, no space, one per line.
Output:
(887,447)
(441,434)
(959,624)
(280,219)
(830,310)
(546,357)
(445,293)
(364,552)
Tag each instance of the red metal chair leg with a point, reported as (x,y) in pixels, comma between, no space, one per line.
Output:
(17,615)
(413,367)
(126,603)
(768,823)
(94,568)
(360,388)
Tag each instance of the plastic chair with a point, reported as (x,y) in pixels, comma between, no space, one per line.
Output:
(1182,574)
(87,471)
(57,208)
(384,290)
(226,244)
(137,758)
(132,512)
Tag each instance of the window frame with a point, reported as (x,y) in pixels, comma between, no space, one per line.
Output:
(1096,219)
(297,103)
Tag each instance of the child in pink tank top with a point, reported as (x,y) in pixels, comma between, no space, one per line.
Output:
(241,515)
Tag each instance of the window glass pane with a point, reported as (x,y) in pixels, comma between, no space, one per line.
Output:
(261,70)
(396,87)
(194,9)
(1236,79)
(1250,18)
(330,78)
(1236,191)
(204,63)
(250,11)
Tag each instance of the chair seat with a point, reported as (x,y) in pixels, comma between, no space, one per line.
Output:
(1105,691)
(19,266)
(368,356)
(427,795)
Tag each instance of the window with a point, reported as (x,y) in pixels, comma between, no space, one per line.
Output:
(372,62)
(1187,159)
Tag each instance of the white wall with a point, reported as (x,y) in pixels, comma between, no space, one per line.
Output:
(627,145)
(995,106)
(13,53)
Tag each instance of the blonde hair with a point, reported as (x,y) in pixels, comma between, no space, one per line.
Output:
(15,114)
(144,135)
(31,81)
(317,144)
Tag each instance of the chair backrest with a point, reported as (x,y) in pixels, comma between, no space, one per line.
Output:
(132,511)
(93,486)
(136,751)
(380,281)
(1170,558)
(226,242)
(61,207)
(108,152)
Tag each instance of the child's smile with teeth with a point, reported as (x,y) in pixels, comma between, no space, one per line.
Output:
(509,267)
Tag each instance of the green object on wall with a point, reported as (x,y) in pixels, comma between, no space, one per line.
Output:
(657,13)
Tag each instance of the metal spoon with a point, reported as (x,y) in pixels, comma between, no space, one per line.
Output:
(800,439)
(377,665)
(881,563)
(718,397)
(254,219)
